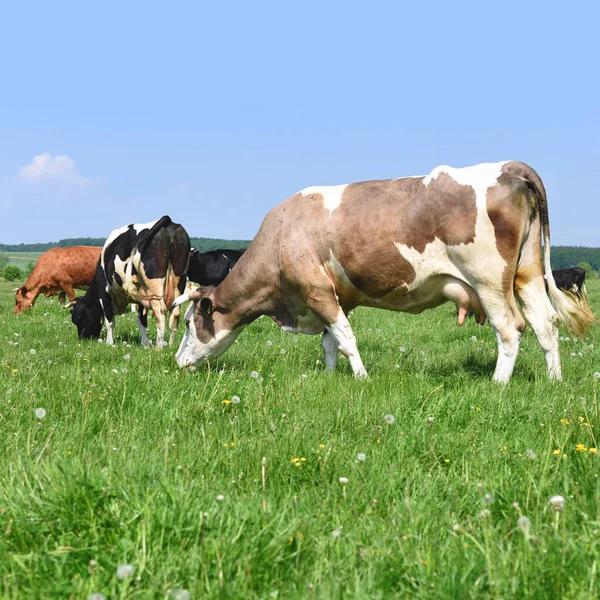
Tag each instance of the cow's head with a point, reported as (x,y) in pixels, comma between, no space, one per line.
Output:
(207,330)
(87,317)
(23,299)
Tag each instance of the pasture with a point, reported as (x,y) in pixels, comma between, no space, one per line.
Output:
(22,259)
(136,462)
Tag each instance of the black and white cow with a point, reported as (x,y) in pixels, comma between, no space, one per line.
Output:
(210,268)
(144,264)
(572,280)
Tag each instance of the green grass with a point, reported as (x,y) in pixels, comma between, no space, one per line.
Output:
(128,463)
(22,259)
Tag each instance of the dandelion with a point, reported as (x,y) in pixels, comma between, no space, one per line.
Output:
(235,400)
(456,528)
(125,572)
(79,354)
(557,503)
(282,351)
(32,351)
(485,514)
(180,595)
(580,448)
(123,370)
(303,376)
(344,480)
(564,421)
(40,413)
(593,450)
(430,420)
(337,532)
(96,596)
(269,343)
(115,371)
(254,374)
(389,419)
(488,499)
(524,524)
(220,498)
(530,454)
(126,356)
(402,349)
(49,362)
(556,452)
(596,375)
(473,338)
(361,457)
(591,346)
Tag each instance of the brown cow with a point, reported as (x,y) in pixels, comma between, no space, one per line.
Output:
(58,271)
(471,236)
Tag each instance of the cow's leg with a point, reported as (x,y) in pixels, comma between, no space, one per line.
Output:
(331,348)
(158,308)
(505,318)
(174,324)
(142,321)
(67,289)
(543,320)
(109,316)
(342,333)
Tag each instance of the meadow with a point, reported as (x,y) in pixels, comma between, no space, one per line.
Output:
(267,476)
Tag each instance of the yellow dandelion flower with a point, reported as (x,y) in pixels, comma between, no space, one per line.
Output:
(232,444)
(580,448)
(379,440)
(446,460)
(565,455)
(225,445)
(226,402)
(14,370)
(303,459)
(297,464)
(581,419)
(290,539)
(478,408)
(593,450)
(299,535)
(565,421)
(321,446)
(556,452)
(505,448)
(295,460)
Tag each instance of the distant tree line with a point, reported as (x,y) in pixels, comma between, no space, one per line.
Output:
(202,244)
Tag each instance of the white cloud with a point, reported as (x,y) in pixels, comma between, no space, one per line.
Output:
(44,167)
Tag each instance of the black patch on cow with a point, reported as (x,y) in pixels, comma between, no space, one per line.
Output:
(210,268)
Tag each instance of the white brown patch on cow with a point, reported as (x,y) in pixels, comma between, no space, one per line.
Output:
(331,195)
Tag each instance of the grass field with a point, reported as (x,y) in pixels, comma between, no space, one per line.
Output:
(137,462)
(22,259)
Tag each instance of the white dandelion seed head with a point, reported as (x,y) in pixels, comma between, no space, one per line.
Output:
(361,457)
(180,595)
(125,572)
(488,499)
(591,346)
(337,532)
(124,370)
(557,503)
(567,339)
(530,454)
(430,420)
(524,524)
(126,356)
(485,514)
(115,371)
(421,353)
(575,340)
(254,374)
(16,334)
(40,413)
(516,505)
(32,351)
(282,351)
(49,362)
(596,375)
(402,349)
(344,480)
(378,331)
(235,400)
(389,419)
(220,498)
(561,338)
(456,527)
(96,596)
(303,376)
(269,343)
(473,338)
(80,355)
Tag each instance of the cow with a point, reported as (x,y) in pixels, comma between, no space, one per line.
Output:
(210,268)
(58,271)
(469,235)
(144,264)
(572,280)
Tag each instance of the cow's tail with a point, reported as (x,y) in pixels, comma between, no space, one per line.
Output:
(170,286)
(573,311)
(162,222)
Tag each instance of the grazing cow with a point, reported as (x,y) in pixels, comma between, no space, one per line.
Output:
(58,271)
(210,268)
(572,280)
(471,236)
(142,264)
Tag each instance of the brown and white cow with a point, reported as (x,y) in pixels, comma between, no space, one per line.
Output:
(58,271)
(471,236)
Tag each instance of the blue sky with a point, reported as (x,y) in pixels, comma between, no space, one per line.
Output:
(215,112)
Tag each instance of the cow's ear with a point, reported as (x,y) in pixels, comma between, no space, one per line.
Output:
(24,290)
(207,306)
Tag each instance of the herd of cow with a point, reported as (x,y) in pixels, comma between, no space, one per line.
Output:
(471,236)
